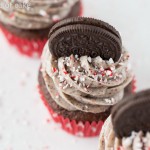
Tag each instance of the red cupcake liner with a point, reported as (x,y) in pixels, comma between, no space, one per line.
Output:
(81,8)
(80,129)
(73,127)
(120,148)
(32,47)
(133,85)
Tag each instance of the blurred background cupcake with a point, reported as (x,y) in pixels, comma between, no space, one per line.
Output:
(26,24)
(128,126)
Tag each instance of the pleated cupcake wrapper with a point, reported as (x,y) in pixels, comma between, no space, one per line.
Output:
(120,148)
(73,127)
(32,47)
(133,85)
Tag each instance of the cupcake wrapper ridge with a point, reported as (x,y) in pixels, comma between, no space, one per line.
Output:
(80,129)
(32,48)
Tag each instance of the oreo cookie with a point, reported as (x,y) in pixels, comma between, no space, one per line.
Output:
(132,114)
(85,36)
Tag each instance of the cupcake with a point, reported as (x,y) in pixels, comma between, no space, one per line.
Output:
(128,128)
(26,24)
(84,72)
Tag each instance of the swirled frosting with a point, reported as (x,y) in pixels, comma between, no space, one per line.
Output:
(34,14)
(86,84)
(108,140)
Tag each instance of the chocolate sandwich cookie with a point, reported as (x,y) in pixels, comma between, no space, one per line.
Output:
(84,21)
(85,36)
(132,114)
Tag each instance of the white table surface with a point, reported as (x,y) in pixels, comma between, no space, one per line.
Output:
(23,116)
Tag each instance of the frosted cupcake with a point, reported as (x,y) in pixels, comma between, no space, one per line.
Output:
(26,23)
(84,72)
(129,126)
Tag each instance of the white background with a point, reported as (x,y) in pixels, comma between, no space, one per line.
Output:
(23,124)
